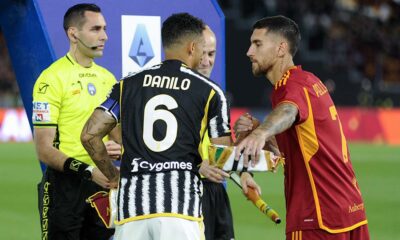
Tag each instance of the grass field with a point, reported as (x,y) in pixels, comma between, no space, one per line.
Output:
(376,167)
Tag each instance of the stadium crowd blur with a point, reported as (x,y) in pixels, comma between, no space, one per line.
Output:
(352,45)
(9,92)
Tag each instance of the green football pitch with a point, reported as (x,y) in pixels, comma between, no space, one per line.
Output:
(376,167)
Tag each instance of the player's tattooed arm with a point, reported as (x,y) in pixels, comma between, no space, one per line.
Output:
(98,126)
(280,119)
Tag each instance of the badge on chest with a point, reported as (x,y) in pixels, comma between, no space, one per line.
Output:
(91,89)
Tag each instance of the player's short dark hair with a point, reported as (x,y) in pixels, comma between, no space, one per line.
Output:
(283,26)
(75,15)
(180,25)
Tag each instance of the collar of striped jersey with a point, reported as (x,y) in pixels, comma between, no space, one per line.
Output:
(175,61)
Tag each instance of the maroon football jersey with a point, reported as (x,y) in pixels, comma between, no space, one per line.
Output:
(320,186)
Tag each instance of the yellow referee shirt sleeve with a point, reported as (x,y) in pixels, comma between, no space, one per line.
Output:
(47,98)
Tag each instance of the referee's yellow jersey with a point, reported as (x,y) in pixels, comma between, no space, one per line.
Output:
(64,97)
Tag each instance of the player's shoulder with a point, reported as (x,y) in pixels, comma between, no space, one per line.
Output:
(185,70)
(136,75)
(200,78)
(301,75)
(294,77)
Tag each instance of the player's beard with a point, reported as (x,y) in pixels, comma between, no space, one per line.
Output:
(258,70)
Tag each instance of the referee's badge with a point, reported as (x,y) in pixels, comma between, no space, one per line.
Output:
(91,89)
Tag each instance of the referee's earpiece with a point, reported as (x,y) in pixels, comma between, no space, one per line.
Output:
(75,37)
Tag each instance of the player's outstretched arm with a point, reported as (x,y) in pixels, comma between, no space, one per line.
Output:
(280,119)
(245,124)
(99,125)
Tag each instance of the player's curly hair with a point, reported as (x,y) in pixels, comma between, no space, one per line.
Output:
(284,26)
(180,25)
(75,15)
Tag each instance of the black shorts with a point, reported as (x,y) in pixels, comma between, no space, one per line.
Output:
(217,212)
(64,212)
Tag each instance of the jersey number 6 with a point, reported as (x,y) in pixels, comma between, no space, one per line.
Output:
(152,114)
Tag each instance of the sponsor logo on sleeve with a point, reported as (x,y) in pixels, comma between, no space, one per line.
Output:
(41,112)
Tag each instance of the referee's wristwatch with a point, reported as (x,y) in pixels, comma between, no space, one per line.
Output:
(87,173)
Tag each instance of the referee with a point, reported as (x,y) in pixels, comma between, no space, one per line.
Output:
(64,96)
(164,113)
(218,221)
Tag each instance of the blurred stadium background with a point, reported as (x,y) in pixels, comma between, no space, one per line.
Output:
(352,45)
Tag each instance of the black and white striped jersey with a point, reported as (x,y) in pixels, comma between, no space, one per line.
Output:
(174,193)
(164,112)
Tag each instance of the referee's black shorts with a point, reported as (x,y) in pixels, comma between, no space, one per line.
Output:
(64,212)
(217,212)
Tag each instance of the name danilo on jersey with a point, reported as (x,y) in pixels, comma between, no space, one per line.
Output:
(166,82)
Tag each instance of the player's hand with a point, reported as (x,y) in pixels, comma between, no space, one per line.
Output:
(244,125)
(248,182)
(212,173)
(251,147)
(113,149)
(101,180)
(272,146)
